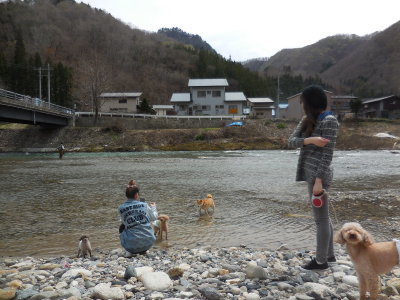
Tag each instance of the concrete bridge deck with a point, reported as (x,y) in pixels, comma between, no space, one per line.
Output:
(17,108)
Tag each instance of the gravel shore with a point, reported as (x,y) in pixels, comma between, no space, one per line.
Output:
(200,273)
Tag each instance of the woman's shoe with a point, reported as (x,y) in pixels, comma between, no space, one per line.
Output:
(313,265)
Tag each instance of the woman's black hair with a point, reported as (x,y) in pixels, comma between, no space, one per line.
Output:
(314,102)
(131,191)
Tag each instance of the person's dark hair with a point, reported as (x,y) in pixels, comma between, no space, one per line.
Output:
(131,191)
(314,102)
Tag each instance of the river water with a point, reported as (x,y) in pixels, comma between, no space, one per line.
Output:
(47,204)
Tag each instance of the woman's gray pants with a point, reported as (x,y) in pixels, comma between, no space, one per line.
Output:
(324,228)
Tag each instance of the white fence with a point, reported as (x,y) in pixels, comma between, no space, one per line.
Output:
(145,116)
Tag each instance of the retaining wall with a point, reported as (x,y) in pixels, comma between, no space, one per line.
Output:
(159,123)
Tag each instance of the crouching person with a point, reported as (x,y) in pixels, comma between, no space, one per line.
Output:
(136,234)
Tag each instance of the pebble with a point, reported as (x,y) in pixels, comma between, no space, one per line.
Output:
(239,273)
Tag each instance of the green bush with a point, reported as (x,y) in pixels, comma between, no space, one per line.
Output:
(281,125)
(199,137)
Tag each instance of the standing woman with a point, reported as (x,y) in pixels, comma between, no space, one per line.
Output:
(316,136)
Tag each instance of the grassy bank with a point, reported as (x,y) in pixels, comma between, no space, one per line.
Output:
(255,135)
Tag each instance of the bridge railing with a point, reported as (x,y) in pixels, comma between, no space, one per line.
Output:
(36,102)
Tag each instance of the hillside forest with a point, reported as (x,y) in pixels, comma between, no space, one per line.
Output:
(89,52)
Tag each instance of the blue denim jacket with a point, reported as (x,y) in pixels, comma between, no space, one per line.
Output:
(138,234)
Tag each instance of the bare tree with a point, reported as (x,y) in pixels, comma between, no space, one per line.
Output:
(95,80)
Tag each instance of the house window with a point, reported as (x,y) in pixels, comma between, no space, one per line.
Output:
(208,92)
(201,94)
(219,107)
(206,107)
(121,101)
(216,93)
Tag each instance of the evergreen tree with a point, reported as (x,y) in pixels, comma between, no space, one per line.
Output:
(355,106)
(145,107)
(18,69)
(62,85)
(4,71)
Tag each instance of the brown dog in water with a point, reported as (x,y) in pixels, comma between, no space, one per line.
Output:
(84,247)
(206,203)
(370,259)
(161,226)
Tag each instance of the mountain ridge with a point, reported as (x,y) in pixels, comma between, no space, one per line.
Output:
(367,66)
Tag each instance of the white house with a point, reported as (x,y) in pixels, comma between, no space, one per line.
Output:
(119,102)
(261,108)
(208,97)
(161,110)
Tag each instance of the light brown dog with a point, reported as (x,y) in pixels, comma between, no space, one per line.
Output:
(206,203)
(370,259)
(84,247)
(161,226)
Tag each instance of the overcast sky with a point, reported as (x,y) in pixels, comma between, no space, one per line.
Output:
(245,29)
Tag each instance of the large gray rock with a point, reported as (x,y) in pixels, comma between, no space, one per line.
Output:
(350,280)
(25,294)
(210,293)
(254,271)
(317,290)
(45,295)
(75,272)
(156,281)
(105,291)
(71,292)
(129,272)
(251,296)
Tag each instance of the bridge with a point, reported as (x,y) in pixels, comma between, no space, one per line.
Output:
(17,108)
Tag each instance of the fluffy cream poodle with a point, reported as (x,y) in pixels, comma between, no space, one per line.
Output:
(370,259)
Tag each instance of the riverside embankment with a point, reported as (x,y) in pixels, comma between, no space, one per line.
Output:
(200,273)
(255,135)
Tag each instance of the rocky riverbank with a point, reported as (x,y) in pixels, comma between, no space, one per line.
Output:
(255,135)
(200,273)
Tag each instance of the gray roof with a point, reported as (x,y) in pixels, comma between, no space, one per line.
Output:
(260,100)
(163,107)
(264,107)
(180,97)
(208,82)
(301,92)
(344,97)
(235,96)
(377,99)
(117,95)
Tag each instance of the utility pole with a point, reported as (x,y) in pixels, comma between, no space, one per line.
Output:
(40,83)
(48,81)
(277,101)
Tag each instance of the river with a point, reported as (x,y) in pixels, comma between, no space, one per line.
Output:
(47,203)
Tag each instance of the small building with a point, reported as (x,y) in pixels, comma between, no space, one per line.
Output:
(207,97)
(294,110)
(261,108)
(119,102)
(340,105)
(161,110)
(384,107)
